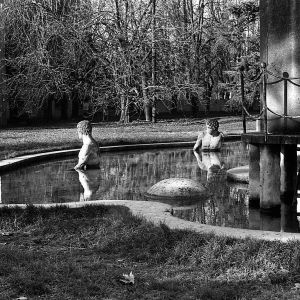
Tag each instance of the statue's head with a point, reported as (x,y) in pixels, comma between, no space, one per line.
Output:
(84,128)
(212,125)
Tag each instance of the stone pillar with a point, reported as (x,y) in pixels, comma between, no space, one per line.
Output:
(280,50)
(288,220)
(270,177)
(254,218)
(254,175)
(288,165)
(269,222)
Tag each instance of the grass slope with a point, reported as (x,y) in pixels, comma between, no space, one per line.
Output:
(20,141)
(82,253)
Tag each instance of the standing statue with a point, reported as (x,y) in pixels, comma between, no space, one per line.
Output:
(89,154)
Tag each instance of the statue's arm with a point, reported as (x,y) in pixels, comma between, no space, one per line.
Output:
(198,143)
(199,160)
(83,157)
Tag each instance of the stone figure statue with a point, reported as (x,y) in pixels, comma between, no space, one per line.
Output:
(89,154)
(210,162)
(90,181)
(211,140)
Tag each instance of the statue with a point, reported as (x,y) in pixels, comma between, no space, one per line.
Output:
(210,162)
(90,181)
(89,154)
(211,140)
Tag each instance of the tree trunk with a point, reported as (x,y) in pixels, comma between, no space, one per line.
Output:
(4,109)
(124,117)
(153,60)
(188,66)
(147,105)
(174,105)
(208,93)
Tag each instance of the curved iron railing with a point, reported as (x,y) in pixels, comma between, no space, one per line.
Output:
(262,78)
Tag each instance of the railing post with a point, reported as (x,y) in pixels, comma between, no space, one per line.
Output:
(285,76)
(264,99)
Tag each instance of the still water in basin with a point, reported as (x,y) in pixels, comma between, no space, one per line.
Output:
(128,175)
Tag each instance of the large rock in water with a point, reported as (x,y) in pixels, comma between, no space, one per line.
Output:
(177,191)
(239,174)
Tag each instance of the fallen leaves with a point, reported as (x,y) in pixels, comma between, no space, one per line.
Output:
(297,286)
(127,279)
(6,233)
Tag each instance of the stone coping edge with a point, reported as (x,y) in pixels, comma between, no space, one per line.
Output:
(155,212)
(13,163)
(160,213)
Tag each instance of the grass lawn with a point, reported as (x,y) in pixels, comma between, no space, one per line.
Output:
(20,141)
(82,253)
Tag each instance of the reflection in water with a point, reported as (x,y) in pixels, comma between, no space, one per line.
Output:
(90,181)
(288,220)
(129,175)
(227,204)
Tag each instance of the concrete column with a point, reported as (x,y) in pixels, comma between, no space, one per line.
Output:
(270,177)
(288,220)
(280,50)
(269,222)
(288,165)
(262,221)
(254,175)
(254,218)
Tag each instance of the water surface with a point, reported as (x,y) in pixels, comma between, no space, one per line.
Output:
(129,174)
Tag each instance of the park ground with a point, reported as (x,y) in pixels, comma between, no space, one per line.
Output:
(82,253)
(17,141)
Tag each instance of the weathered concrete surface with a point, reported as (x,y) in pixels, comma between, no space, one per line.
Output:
(158,213)
(254,174)
(270,177)
(177,191)
(259,138)
(280,50)
(239,174)
(288,172)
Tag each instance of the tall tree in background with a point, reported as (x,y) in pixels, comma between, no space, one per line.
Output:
(242,38)
(125,56)
(4,109)
(153,59)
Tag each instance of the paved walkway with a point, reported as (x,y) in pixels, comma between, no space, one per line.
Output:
(158,213)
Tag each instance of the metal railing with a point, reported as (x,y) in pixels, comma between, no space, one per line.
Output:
(262,78)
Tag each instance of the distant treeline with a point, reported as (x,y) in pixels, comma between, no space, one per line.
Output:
(126,55)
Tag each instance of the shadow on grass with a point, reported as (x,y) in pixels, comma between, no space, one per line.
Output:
(81,253)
